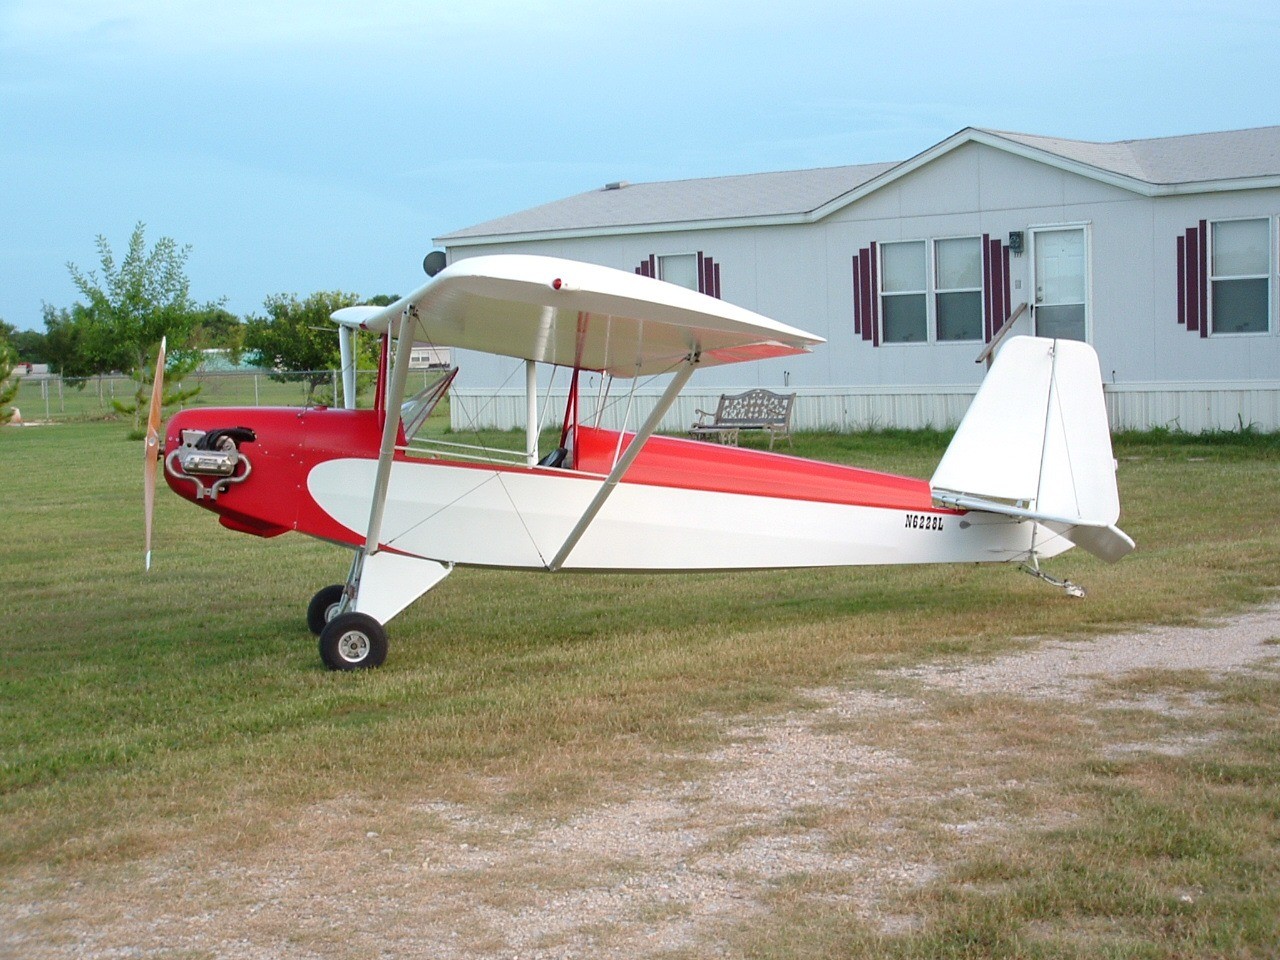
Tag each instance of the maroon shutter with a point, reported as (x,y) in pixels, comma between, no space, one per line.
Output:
(1193,279)
(864,295)
(1203,278)
(988,289)
(1192,272)
(997,299)
(857,296)
(1006,290)
(1182,281)
(708,276)
(873,287)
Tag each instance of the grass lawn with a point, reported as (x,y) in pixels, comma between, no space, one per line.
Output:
(141,712)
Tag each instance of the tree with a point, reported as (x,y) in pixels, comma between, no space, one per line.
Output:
(216,328)
(77,345)
(145,297)
(298,342)
(8,390)
(29,345)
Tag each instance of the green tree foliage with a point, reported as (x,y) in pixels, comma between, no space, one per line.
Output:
(298,342)
(216,328)
(8,388)
(144,297)
(77,344)
(129,306)
(29,345)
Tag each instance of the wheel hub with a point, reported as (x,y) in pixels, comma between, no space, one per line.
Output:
(353,646)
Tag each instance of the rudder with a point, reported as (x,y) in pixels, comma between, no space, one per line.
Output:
(1036,444)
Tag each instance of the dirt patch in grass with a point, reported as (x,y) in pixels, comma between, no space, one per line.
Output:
(855,804)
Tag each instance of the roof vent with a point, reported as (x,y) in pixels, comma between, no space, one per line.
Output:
(617,185)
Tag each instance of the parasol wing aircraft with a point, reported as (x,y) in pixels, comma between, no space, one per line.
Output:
(1028,475)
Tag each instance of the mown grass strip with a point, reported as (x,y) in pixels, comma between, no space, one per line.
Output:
(137,710)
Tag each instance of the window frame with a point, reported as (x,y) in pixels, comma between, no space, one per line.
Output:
(1211,279)
(930,290)
(882,293)
(938,290)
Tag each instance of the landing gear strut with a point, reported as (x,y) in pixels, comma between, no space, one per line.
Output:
(348,617)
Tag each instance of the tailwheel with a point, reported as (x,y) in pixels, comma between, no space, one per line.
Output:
(353,641)
(1071,589)
(324,606)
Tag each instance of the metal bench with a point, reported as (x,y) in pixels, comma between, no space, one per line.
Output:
(754,410)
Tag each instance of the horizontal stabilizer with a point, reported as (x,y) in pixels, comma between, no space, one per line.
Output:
(1108,543)
(1105,541)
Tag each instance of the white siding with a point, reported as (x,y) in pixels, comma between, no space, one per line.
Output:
(1156,371)
(1191,408)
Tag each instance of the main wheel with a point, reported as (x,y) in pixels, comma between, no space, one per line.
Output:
(324,607)
(353,641)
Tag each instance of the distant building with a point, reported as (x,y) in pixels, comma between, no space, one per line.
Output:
(221,360)
(1160,253)
(429,358)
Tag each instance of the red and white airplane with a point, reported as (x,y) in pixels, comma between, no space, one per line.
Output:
(1029,473)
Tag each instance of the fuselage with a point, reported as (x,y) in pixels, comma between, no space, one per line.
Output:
(682,505)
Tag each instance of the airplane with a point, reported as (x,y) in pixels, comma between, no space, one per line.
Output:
(1028,474)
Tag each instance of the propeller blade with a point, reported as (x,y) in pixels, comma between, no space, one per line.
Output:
(151,454)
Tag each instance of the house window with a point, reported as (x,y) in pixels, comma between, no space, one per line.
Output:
(682,270)
(696,271)
(931,291)
(926,298)
(958,297)
(1240,276)
(904,298)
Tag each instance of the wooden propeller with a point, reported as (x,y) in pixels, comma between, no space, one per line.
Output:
(153,451)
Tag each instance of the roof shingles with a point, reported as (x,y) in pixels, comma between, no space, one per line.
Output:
(1231,155)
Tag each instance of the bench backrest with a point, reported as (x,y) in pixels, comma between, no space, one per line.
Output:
(755,407)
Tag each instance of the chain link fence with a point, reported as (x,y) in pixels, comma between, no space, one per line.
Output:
(54,398)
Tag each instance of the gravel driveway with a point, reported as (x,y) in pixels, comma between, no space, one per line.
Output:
(823,797)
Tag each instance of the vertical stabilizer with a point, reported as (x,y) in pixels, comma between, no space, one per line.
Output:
(1036,444)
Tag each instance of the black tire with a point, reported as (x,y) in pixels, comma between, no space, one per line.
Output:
(324,607)
(353,641)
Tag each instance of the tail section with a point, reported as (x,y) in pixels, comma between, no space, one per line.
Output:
(1036,445)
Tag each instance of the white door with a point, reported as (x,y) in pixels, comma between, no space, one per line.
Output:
(1061,265)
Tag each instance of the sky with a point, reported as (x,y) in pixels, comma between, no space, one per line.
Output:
(298,147)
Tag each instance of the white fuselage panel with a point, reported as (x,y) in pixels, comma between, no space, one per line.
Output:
(502,518)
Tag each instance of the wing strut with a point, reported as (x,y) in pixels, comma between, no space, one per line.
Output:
(633,450)
(390,427)
(346,350)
